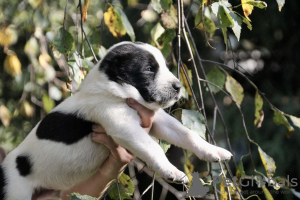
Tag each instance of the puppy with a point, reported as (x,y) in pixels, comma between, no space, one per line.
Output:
(58,153)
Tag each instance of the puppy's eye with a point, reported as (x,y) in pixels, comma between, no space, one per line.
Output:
(149,69)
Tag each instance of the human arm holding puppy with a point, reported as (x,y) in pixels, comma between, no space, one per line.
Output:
(118,159)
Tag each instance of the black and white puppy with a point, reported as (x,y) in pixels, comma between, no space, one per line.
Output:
(58,153)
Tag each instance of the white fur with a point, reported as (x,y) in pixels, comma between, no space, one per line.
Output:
(60,166)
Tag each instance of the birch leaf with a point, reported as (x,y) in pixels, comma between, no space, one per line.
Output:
(296,121)
(279,119)
(247,8)
(268,162)
(235,89)
(114,23)
(259,113)
(5,115)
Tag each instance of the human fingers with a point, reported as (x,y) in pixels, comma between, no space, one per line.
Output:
(97,128)
(104,139)
(147,115)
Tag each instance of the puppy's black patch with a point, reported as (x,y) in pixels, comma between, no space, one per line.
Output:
(132,65)
(2,183)
(23,165)
(65,128)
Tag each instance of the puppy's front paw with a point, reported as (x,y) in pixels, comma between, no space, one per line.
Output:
(173,174)
(216,154)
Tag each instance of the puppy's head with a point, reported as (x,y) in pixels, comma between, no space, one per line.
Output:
(141,72)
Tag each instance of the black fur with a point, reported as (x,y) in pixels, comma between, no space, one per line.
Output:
(65,128)
(2,183)
(23,165)
(132,65)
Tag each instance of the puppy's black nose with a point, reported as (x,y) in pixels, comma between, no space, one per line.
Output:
(176,85)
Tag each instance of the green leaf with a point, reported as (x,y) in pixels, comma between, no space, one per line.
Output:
(259,113)
(268,162)
(126,24)
(165,39)
(249,25)
(224,31)
(237,25)
(217,77)
(165,145)
(165,4)
(209,24)
(235,89)
(225,18)
(279,119)
(126,188)
(267,193)
(296,121)
(76,196)
(259,4)
(114,22)
(49,104)
(240,169)
(194,120)
(63,41)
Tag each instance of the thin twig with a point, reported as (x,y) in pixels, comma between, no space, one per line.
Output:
(65,14)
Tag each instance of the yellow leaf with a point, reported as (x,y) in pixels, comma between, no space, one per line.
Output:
(189,169)
(26,109)
(12,65)
(184,80)
(44,60)
(259,113)
(8,35)
(268,162)
(114,22)
(5,115)
(84,10)
(235,89)
(247,8)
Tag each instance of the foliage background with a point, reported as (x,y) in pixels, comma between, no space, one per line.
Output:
(33,83)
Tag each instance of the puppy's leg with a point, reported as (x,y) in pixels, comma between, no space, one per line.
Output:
(168,128)
(137,141)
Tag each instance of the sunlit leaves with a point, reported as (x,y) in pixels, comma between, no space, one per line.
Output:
(279,119)
(164,41)
(63,41)
(295,120)
(5,115)
(8,35)
(126,24)
(259,113)
(48,103)
(117,22)
(194,120)
(217,77)
(235,89)
(126,188)
(280,4)
(169,18)
(12,64)
(247,8)
(114,23)
(209,24)
(268,162)
(26,109)
(258,4)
